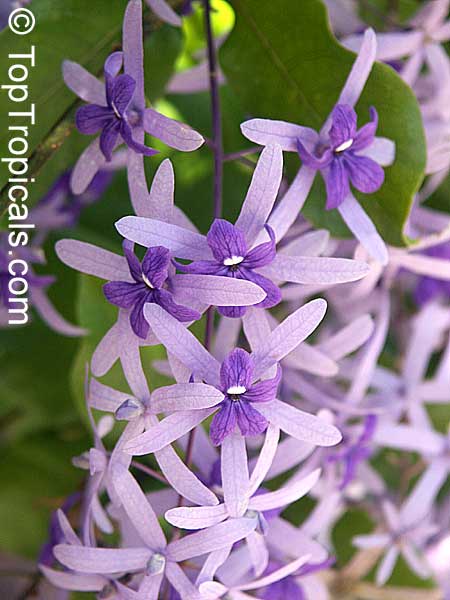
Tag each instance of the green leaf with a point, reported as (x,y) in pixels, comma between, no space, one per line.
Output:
(284,63)
(161,50)
(79,30)
(37,475)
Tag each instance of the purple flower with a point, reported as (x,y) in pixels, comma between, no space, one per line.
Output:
(340,163)
(150,277)
(241,253)
(236,380)
(150,554)
(232,258)
(113,120)
(117,107)
(318,151)
(234,376)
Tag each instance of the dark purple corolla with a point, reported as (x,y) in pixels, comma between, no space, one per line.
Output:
(114,119)
(236,376)
(234,259)
(431,287)
(340,163)
(150,285)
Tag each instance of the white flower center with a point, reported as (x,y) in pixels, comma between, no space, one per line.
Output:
(344,145)
(234,260)
(117,113)
(236,390)
(147,282)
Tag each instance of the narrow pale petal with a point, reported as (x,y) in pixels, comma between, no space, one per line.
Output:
(132,367)
(416,563)
(407,437)
(107,351)
(104,397)
(235,478)
(286,494)
(185,396)
(217,290)
(419,503)
(160,203)
(214,561)
(299,424)
(311,359)
(268,132)
(151,232)
(92,260)
(265,458)
(150,587)
(277,575)
(133,49)
(102,560)
(261,194)
(196,517)
(74,581)
(389,46)
(87,166)
(83,84)
(381,151)
(180,582)
(312,243)
(289,334)
(363,229)
(387,565)
(259,553)
(290,205)
(315,270)
(182,479)
(349,338)
(173,133)
(138,509)
(137,182)
(182,343)
(360,71)
(371,541)
(167,431)
(211,539)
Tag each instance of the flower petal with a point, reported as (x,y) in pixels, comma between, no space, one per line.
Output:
(150,232)
(182,343)
(102,560)
(365,174)
(299,424)
(166,432)
(185,396)
(262,193)
(288,335)
(286,494)
(217,290)
(83,84)
(269,132)
(363,229)
(92,260)
(211,539)
(235,478)
(196,517)
(173,133)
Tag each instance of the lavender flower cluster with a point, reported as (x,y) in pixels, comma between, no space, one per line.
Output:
(273,405)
